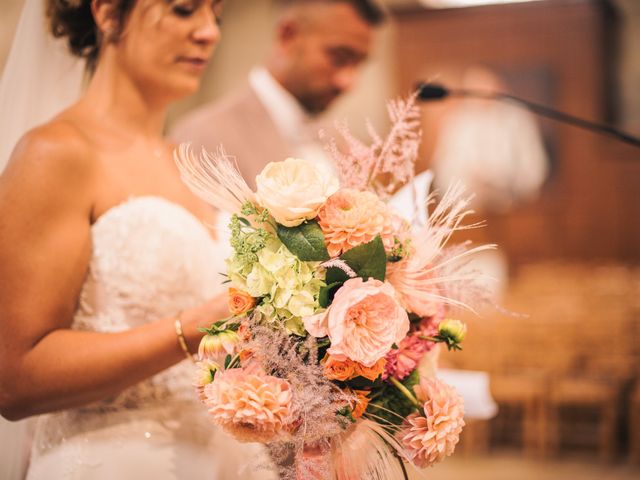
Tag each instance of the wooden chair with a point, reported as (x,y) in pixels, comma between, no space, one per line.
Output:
(603,397)
(475,438)
(528,394)
(634,425)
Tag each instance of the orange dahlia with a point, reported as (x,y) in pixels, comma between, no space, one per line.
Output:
(252,406)
(350,218)
(430,438)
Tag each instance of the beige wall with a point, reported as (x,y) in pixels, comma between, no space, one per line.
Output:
(8,22)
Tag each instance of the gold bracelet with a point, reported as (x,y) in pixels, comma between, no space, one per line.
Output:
(181,340)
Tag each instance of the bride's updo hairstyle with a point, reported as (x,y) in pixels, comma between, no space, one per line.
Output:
(73,20)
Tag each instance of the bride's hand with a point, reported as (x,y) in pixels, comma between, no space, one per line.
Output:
(203,316)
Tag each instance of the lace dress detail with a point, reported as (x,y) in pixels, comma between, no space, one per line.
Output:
(151,259)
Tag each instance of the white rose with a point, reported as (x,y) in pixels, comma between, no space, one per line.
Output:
(294,190)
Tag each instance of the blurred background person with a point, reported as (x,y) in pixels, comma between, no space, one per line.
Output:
(494,147)
(496,150)
(318,48)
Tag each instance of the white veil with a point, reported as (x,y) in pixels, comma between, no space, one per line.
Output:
(40,78)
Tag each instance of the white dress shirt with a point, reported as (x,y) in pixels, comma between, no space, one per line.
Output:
(298,128)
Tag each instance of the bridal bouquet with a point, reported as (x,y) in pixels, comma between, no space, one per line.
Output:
(338,304)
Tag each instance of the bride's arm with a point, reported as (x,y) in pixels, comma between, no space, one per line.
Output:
(46,197)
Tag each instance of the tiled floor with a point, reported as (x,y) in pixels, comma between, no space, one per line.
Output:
(510,466)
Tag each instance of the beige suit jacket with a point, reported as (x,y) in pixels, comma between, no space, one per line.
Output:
(242,125)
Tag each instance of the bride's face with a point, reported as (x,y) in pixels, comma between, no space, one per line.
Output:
(166,44)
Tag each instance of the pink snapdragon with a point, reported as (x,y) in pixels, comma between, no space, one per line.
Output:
(404,360)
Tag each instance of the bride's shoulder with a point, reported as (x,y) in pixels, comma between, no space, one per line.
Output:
(52,166)
(55,149)
(60,138)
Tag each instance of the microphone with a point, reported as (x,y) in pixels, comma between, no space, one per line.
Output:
(433,91)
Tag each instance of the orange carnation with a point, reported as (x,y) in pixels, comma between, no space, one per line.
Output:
(372,372)
(338,369)
(240,302)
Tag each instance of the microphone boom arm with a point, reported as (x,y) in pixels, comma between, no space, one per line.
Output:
(430,91)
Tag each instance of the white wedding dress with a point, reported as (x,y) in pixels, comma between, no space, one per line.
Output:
(151,258)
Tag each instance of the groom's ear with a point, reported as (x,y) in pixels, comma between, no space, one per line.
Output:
(106,18)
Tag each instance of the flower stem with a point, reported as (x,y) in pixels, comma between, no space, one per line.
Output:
(405,391)
(404,469)
(429,339)
(234,360)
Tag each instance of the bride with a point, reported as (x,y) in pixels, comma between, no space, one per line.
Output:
(107,267)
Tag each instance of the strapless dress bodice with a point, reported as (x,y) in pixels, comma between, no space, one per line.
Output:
(151,258)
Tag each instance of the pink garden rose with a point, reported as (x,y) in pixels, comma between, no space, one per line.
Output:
(363,322)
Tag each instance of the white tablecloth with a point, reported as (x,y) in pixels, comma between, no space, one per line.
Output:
(473,386)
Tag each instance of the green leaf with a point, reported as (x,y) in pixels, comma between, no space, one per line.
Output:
(412,380)
(360,383)
(323,345)
(346,412)
(367,260)
(305,241)
(335,276)
(326,294)
(390,404)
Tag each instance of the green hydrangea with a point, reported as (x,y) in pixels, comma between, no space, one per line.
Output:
(246,240)
(288,287)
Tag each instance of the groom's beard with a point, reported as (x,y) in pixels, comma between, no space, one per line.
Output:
(315,104)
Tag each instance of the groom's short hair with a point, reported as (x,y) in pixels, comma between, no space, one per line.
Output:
(369,10)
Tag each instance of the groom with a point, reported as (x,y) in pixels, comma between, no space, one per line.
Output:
(318,49)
